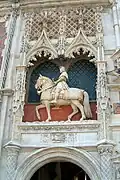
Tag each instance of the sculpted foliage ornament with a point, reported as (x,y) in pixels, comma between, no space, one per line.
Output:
(19,93)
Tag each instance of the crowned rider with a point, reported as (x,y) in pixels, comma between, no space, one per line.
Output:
(61,84)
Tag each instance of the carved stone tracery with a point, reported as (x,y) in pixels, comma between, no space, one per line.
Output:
(52,18)
(61,46)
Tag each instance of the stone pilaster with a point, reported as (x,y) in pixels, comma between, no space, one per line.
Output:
(105,151)
(116,23)
(12,153)
(10,30)
(18,100)
(116,166)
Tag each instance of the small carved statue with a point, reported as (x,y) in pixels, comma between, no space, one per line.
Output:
(61,84)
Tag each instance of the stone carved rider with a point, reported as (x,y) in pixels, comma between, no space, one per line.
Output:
(61,84)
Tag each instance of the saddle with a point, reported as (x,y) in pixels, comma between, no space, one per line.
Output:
(62,93)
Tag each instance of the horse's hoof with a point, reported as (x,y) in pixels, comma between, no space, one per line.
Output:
(68,120)
(38,118)
(48,120)
(82,119)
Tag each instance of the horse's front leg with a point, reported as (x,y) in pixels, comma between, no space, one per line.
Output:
(47,105)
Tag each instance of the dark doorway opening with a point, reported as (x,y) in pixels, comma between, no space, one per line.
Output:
(60,171)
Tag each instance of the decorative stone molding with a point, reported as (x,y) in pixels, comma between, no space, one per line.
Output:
(58,126)
(6,92)
(18,100)
(60,133)
(46,3)
(11,160)
(41,157)
(105,149)
(19,93)
(103,100)
(104,108)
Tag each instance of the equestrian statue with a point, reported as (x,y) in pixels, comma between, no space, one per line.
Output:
(58,93)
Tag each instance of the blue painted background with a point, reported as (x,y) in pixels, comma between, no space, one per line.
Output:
(82,74)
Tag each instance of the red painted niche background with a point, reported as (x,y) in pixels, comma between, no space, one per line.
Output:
(57,113)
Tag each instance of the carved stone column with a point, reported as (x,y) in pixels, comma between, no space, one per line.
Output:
(12,153)
(103,105)
(4,70)
(18,100)
(105,150)
(116,23)
(116,166)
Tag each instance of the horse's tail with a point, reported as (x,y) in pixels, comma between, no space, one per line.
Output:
(86,105)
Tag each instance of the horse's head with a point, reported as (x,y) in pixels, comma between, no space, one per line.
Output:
(42,81)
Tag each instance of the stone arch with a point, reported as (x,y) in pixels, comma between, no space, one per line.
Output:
(43,44)
(41,157)
(81,41)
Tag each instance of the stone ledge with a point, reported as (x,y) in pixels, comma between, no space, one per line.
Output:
(60,2)
(6,92)
(6,5)
(60,126)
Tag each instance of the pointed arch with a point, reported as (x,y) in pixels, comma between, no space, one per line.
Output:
(43,44)
(81,41)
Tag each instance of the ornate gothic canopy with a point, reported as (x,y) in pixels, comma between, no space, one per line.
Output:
(61,31)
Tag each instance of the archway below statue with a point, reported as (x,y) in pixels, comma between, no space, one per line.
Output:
(60,171)
(58,114)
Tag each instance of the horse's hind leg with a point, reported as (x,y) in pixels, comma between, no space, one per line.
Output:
(37,113)
(47,105)
(80,107)
(75,111)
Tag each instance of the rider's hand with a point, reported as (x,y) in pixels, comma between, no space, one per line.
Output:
(38,92)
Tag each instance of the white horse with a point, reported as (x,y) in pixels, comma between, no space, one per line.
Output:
(77,98)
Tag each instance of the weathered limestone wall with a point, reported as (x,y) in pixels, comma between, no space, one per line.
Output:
(26,146)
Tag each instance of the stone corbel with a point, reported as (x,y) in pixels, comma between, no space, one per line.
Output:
(105,146)
(12,153)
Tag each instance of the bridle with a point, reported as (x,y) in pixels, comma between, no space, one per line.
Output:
(40,87)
